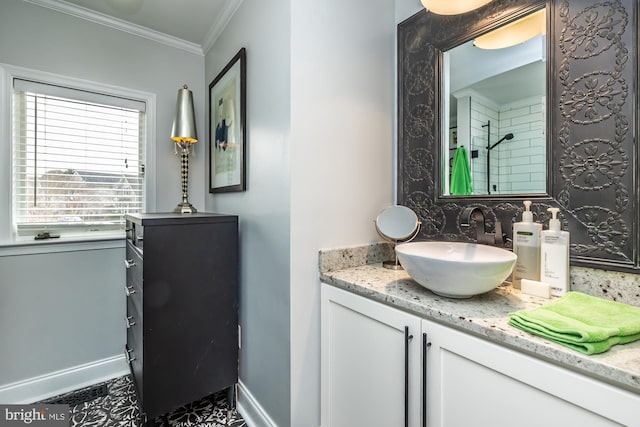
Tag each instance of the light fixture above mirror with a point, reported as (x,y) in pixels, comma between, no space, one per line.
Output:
(514,33)
(452,7)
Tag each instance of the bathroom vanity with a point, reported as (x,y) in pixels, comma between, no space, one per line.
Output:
(393,353)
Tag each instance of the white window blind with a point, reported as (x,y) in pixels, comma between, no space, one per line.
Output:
(77,159)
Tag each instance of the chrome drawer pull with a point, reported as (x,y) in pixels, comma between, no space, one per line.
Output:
(129,321)
(129,355)
(129,290)
(129,263)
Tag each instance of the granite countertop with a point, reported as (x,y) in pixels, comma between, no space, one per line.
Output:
(357,270)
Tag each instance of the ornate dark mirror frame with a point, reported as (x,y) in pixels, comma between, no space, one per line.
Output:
(592,83)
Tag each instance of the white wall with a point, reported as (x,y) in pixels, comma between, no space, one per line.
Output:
(518,165)
(342,133)
(263,29)
(38,38)
(523,160)
(483,111)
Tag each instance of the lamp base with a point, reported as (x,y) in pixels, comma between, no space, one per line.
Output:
(185,208)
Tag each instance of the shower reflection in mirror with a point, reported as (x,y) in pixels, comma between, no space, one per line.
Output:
(494,105)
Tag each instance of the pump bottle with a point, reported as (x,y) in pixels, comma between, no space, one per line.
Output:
(554,256)
(526,245)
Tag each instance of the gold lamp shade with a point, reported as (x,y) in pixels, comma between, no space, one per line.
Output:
(514,33)
(184,122)
(452,7)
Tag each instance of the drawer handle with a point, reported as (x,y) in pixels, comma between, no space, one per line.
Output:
(129,355)
(426,345)
(129,321)
(129,290)
(129,263)
(407,338)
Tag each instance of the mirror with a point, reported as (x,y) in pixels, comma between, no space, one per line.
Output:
(494,106)
(591,166)
(397,224)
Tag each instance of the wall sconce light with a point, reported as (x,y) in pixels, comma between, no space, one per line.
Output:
(452,7)
(514,33)
(183,133)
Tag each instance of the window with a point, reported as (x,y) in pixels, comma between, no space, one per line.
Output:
(78,159)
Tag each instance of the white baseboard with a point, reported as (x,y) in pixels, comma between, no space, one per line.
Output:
(64,381)
(250,409)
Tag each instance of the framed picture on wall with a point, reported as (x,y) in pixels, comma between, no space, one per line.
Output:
(227,120)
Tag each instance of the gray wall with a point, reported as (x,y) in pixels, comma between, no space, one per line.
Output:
(263,29)
(59,310)
(78,294)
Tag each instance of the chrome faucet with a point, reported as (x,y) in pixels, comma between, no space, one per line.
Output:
(482,236)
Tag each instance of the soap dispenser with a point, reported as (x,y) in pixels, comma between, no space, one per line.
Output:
(554,256)
(526,245)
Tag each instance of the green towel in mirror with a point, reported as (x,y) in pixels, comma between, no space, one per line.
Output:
(461,174)
(582,322)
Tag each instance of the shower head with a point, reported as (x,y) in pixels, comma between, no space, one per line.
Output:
(507,137)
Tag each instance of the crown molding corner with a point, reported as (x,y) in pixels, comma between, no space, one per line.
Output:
(119,24)
(229,9)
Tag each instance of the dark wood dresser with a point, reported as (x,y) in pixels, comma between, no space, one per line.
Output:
(182,307)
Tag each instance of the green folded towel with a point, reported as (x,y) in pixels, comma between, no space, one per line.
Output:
(461,174)
(584,323)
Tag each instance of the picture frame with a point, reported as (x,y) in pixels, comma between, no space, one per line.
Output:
(227,122)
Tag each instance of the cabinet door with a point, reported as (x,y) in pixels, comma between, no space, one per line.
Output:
(370,363)
(472,382)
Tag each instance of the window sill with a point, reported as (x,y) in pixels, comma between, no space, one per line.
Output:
(25,246)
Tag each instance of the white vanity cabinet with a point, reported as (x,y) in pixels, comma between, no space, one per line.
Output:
(470,381)
(473,382)
(370,363)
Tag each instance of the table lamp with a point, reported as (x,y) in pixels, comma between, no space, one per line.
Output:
(183,133)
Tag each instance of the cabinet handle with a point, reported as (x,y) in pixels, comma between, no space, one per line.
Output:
(129,290)
(129,263)
(425,346)
(129,355)
(407,338)
(129,321)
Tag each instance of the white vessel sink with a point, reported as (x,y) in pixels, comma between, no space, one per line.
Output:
(456,269)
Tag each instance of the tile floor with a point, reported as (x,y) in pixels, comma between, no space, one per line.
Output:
(119,408)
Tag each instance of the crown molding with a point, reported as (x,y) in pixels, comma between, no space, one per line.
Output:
(229,9)
(119,24)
